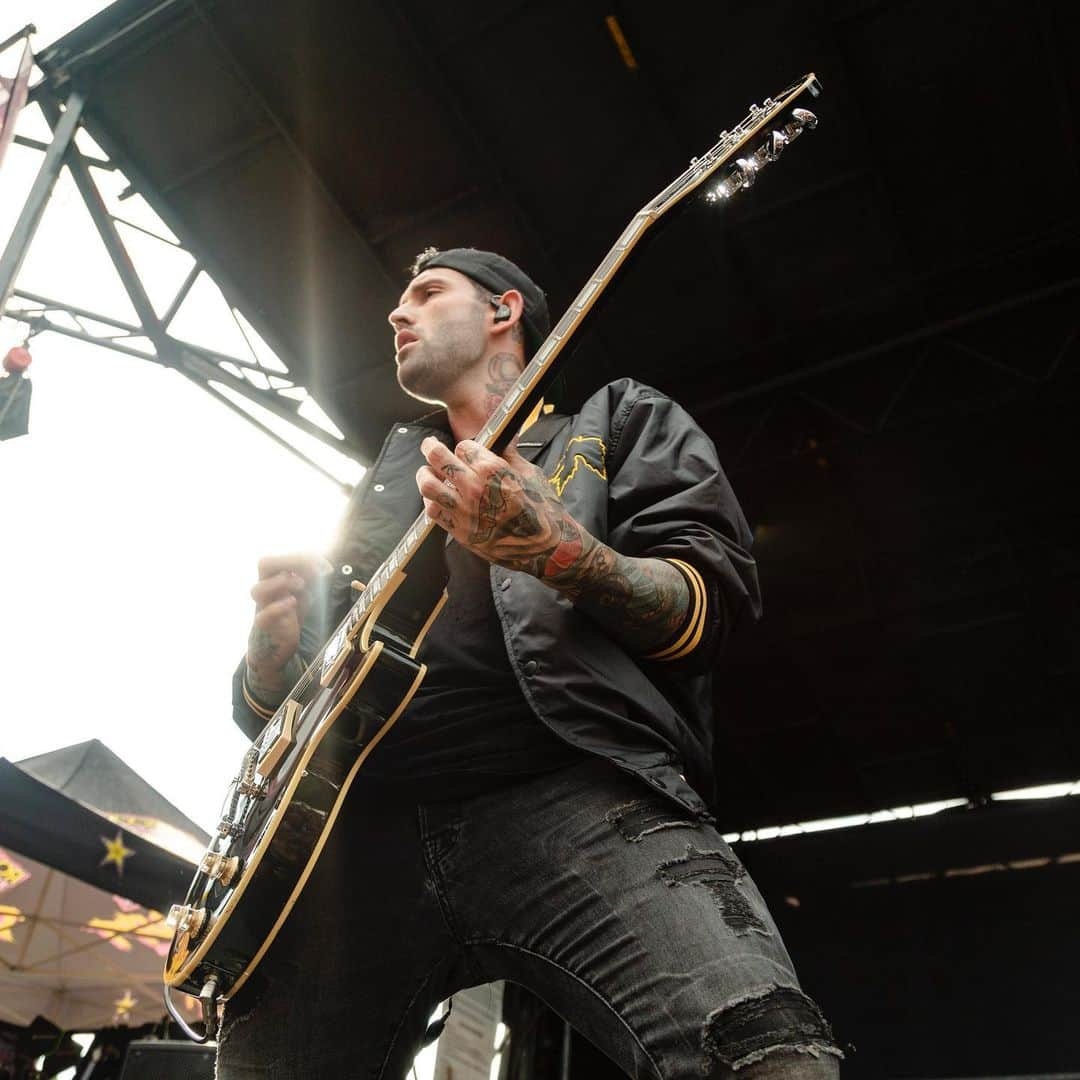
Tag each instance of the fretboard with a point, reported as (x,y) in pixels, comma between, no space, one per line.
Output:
(523,394)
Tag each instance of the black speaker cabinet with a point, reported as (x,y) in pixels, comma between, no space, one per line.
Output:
(150,1059)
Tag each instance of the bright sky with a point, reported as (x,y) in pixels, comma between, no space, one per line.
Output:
(135,510)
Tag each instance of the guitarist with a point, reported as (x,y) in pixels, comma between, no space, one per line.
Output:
(536,814)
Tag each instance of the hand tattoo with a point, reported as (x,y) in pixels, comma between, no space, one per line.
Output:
(524,525)
(513,516)
(261,646)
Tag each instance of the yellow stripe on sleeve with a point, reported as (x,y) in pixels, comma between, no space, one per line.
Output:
(690,638)
(255,706)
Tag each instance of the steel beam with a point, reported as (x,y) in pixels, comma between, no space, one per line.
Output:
(26,31)
(64,126)
(43,323)
(170,352)
(48,304)
(71,309)
(346,489)
(218,273)
(944,326)
(181,294)
(37,144)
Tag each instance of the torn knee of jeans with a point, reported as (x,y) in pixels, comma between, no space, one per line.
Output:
(778,1018)
(721,874)
(644,816)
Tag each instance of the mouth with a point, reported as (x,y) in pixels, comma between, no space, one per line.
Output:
(403,338)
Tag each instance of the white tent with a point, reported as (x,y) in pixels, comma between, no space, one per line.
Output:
(82,886)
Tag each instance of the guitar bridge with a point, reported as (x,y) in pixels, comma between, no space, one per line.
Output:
(275,741)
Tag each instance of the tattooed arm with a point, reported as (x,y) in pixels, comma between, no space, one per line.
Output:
(504,510)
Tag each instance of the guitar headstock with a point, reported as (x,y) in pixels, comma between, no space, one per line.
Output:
(759,139)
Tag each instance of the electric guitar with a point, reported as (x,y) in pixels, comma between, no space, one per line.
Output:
(295,776)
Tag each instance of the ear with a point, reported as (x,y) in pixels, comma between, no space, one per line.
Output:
(512,326)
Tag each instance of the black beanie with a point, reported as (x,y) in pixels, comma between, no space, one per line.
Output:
(497,274)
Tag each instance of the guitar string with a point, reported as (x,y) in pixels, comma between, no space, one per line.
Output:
(595,284)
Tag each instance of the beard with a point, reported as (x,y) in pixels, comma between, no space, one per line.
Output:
(434,363)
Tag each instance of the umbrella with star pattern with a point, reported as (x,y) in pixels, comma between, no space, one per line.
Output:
(82,888)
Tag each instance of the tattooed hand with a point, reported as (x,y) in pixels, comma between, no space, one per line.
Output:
(503,509)
(282,596)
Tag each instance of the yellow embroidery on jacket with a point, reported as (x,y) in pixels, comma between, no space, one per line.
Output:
(560,477)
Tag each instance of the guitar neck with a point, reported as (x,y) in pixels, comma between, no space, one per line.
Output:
(526,391)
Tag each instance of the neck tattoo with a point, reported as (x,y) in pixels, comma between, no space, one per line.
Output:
(502,370)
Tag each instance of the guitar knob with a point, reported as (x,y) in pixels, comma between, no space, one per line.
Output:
(184,919)
(805,118)
(219,867)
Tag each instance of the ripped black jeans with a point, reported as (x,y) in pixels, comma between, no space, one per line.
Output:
(629,918)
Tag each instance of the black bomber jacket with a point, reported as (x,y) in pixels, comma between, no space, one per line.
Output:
(634,469)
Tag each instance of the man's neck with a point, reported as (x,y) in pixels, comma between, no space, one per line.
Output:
(479,394)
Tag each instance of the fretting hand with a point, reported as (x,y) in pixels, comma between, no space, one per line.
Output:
(504,510)
(501,508)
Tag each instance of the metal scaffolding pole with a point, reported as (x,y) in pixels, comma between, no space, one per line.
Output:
(204,367)
(64,128)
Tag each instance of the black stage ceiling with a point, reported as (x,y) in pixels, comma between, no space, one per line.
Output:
(881,336)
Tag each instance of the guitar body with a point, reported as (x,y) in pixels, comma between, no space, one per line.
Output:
(293,783)
(294,778)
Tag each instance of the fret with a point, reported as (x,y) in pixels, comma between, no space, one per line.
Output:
(546,349)
(631,231)
(565,323)
(586,295)
(605,268)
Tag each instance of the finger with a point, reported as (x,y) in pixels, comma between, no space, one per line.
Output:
(307,564)
(282,584)
(280,610)
(440,491)
(526,470)
(514,459)
(441,460)
(478,458)
(440,515)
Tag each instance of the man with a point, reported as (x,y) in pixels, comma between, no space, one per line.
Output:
(533,814)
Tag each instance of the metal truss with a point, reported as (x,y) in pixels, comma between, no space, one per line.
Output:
(936,343)
(149,337)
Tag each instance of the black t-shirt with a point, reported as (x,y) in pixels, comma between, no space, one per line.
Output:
(468,728)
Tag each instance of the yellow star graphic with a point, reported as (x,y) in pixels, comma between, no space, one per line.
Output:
(115,852)
(125,1004)
(9,917)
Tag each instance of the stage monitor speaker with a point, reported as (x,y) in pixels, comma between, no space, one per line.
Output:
(152,1059)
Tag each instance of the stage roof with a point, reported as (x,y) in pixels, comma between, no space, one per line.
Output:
(881,336)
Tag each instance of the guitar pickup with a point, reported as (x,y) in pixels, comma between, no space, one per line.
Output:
(334,655)
(277,739)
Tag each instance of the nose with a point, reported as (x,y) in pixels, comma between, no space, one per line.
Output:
(399,317)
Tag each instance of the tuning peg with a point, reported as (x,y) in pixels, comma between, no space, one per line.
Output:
(746,168)
(774,145)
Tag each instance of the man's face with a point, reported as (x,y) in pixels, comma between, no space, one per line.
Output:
(440,332)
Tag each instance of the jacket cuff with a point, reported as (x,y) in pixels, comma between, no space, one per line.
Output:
(253,703)
(693,628)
